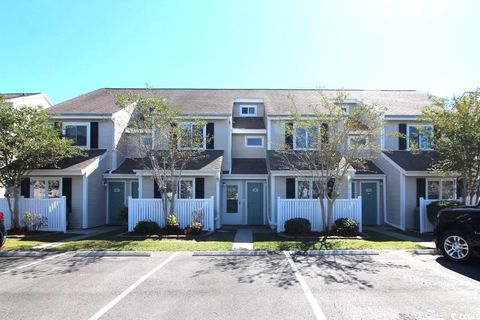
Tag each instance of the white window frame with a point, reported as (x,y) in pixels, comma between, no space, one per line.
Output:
(417,126)
(262,138)
(310,185)
(248,106)
(78,124)
(440,190)
(306,140)
(204,142)
(355,135)
(179,196)
(45,180)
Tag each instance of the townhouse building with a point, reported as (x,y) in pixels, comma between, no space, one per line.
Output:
(240,166)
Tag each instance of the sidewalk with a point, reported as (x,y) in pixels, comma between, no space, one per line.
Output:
(243,240)
(84,233)
(398,235)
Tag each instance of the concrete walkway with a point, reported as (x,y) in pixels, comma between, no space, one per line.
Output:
(393,234)
(243,240)
(83,233)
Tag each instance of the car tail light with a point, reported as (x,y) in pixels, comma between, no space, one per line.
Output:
(1,216)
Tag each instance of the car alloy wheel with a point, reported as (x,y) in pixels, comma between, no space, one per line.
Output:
(456,247)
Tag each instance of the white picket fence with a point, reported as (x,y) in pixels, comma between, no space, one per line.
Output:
(152,209)
(310,209)
(425,225)
(54,209)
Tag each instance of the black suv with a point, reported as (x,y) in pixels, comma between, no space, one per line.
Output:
(3,232)
(457,233)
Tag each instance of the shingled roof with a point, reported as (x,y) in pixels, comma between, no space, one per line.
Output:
(220,101)
(414,161)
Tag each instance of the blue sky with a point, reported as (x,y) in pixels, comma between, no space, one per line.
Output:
(66,48)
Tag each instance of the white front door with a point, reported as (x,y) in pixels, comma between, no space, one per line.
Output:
(232,211)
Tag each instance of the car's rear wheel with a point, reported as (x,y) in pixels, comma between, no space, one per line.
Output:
(455,246)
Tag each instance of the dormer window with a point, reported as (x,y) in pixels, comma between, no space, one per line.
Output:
(248,110)
(78,132)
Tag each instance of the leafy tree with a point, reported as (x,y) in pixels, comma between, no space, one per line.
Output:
(27,142)
(165,140)
(338,140)
(457,138)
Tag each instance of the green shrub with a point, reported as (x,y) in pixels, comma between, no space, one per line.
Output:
(123,214)
(34,221)
(147,227)
(195,228)
(346,227)
(434,207)
(172,222)
(297,226)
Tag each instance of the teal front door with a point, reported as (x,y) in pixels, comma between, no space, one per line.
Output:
(116,200)
(255,205)
(369,202)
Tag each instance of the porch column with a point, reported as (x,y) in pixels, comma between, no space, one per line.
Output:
(85,201)
(273,216)
(217,202)
(140,187)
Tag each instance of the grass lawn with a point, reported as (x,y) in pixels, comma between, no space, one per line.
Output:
(26,243)
(271,241)
(219,241)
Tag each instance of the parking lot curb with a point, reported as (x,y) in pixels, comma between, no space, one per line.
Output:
(335,252)
(238,253)
(8,254)
(113,254)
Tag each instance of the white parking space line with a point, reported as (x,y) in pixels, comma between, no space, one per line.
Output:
(122,295)
(34,263)
(306,289)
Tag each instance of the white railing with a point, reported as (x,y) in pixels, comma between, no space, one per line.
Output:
(54,209)
(425,225)
(310,209)
(152,209)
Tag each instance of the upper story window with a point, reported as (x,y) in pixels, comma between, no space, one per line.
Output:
(357,140)
(194,138)
(248,110)
(254,141)
(79,132)
(419,136)
(304,139)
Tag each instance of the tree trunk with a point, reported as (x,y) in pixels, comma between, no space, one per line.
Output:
(323,212)
(14,212)
(165,205)
(330,214)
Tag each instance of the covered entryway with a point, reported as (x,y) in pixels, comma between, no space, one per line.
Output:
(116,200)
(255,203)
(369,192)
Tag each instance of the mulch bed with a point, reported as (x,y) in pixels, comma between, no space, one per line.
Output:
(318,235)
(22,233)
(166,234)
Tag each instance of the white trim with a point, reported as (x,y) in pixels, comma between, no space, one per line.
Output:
(85,201)
(246,200)
(194,173)
(240,210)
(30,96)
(140,187)
(248,106)
(262,138)
(114,176)
(114,147)
(229,149)
(417,126)
(247,100)
(273,214)
(244,176)
(402,117)
(81,117)
(384,199)
(200,116)
(378,197)
(56,172)
(218,206)
(180,184)
(78,124)
(249,131)
(402,201)
(301,173)
(372,176)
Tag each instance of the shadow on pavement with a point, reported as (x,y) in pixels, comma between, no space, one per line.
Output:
(471,270)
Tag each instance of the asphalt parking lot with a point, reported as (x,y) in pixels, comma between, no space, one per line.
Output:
(391,285)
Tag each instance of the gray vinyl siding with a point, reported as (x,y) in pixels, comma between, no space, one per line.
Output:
(240,151)
(147,187)
(260,109)
(210,187)
(76,216)
(393,191)
(97,196)
(410,201)
(391,129)
(121,119)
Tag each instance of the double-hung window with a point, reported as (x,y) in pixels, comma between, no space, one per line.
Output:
(186,189)
(248,110)
(419,136)
(357,140)
(441,189)
(44,188)
(78,132)
(194,136)
(305,139)
(306,189)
